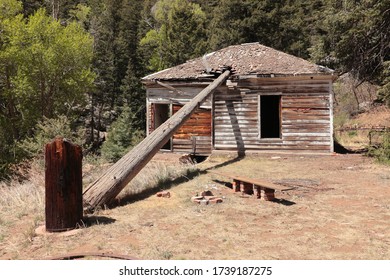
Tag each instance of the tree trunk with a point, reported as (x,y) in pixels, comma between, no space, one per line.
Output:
(111,183)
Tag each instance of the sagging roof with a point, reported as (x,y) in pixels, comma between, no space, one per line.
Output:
(246,59)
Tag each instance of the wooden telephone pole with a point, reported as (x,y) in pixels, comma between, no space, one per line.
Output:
(112,182)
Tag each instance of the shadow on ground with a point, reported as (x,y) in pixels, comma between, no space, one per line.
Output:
(340,149)
(168,183)
(97,220)
(190,175)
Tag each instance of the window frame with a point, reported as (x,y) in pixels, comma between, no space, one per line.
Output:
(275,139)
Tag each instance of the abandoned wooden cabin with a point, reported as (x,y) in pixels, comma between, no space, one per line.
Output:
(272,101)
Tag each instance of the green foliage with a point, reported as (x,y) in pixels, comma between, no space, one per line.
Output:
(122,136)
(46,131)
(284,25)
(45,58)
(381,152)
(117,63)
(9,8)
(46,67)
(352,36)
(179,34)
(384,91)
(81,13)
(44,73)
(236,22)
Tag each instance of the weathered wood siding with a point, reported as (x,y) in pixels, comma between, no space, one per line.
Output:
(150,117)
(305,115)
(194,136)
(159,94)
(305,112)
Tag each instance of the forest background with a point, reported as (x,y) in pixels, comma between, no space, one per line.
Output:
(74,67)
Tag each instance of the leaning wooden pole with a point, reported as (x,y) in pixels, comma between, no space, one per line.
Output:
(112,182)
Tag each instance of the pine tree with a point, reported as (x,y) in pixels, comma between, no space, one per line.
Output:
(179,34)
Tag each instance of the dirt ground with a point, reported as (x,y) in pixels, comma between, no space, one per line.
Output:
(337,207)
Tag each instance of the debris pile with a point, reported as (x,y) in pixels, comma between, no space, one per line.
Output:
(205,198)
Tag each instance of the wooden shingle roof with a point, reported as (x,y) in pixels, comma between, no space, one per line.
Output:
(246,59)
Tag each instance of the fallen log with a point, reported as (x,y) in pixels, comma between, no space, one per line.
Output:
(111,183)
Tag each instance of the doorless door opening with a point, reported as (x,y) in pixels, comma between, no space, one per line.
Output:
(161,114)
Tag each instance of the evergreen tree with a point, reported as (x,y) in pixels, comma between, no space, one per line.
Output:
(31,6)
(122,136)
(102,95)
(355,38)
(237,22)
(179,34)
(130,69)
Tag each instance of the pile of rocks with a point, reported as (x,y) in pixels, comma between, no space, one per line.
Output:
(205,198)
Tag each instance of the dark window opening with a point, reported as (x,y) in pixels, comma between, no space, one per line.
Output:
(161,114)
(270,116)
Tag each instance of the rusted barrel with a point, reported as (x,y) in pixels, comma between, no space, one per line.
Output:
(63,185)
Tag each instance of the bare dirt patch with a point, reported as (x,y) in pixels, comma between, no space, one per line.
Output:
(337,207)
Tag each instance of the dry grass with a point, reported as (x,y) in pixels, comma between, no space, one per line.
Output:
(337,209)
(22,203)
(156,176)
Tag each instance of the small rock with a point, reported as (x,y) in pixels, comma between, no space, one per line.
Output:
(147,224)
(204,202)
(164,194)
(196,199)
(215,200)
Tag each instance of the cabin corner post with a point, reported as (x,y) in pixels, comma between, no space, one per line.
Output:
(331,116)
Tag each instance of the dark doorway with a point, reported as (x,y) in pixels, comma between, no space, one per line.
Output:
(270,116)
(161,114)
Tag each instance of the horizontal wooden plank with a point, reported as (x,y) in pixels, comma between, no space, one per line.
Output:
(303,130)
(236,130)
(283,80)
(227,134)
(306,134)
(182,141)
(236,113)
(183,136)
(272,147)
(320,126)
(240,121)
(321,121)
(286,87)
(205,105)
(257,141)
(305,138)
(236,103)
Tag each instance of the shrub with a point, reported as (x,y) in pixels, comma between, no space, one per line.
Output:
(46,131)
(382,151)
(122,136)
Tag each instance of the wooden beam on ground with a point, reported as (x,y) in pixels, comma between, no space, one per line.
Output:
(112,182)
